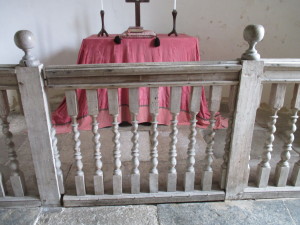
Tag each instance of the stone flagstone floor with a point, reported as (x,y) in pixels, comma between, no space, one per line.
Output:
(261,212)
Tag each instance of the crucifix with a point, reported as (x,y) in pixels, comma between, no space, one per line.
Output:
(138,10)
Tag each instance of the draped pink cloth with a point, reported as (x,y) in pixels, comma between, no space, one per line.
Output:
(95,50)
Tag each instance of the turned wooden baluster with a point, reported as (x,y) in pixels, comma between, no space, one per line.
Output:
(231,106)
(283,166)
(16,177)
(175,109)
(153,175)
(134,110)
(72,106)
(295,178)
(113,105)
(56,154)
(93,109)
(276,102)
(189,179)
(214,106)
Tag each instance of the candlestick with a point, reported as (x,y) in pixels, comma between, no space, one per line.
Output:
(174,4)
(102,8)
(174,14)
(102,31)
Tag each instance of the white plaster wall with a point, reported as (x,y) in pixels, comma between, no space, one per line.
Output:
(60,25)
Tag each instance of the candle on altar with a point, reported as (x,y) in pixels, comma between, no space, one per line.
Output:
(102,8)
(174,4)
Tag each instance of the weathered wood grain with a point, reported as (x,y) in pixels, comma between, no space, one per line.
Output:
(231,105)
(93,109)
(175,102)
(243,126)
(276,102)
(195,100)
(113,107)
(215,94)
(39,132)
(142,74)
(153,175)
(270,192)
(72,106)
(134,110)
(20,202)
(8,78)
(143,198)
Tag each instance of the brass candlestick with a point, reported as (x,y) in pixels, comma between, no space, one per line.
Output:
(102,31)
(174,13)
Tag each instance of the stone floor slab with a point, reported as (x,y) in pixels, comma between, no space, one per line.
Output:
(293,206)
(123,215)
(231,213)
(26,216)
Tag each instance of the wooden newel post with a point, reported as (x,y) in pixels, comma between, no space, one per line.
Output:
(249,94)
(37,117)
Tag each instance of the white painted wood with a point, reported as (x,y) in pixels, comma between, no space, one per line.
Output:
(175,102)
(214,106)
(93,109)
(39,132)
(71,99)
(189,179)
(143,198)
(134,110)
(59,172)
(16,177)
(2,187)
(113,107)
(153,175)
(231,105)
(276,102)
(243,125)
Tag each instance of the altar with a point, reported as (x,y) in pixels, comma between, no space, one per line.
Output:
(95,50)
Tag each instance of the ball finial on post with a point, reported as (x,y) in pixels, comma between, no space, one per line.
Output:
(24,39)
(253,34)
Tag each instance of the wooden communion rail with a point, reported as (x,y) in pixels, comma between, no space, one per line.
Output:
(245,79)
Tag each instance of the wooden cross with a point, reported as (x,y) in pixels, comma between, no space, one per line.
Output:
(137,11)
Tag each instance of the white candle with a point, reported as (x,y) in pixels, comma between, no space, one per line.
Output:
(102,8)
(174,4)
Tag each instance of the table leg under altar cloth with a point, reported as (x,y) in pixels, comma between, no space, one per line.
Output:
(96,50)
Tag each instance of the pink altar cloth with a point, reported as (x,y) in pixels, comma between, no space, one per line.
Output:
(95,50)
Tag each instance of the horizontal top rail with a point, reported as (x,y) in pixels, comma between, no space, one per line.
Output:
(281,71)
(142,74)
(91,76)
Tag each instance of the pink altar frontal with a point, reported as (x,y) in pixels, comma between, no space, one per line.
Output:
(95,50)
